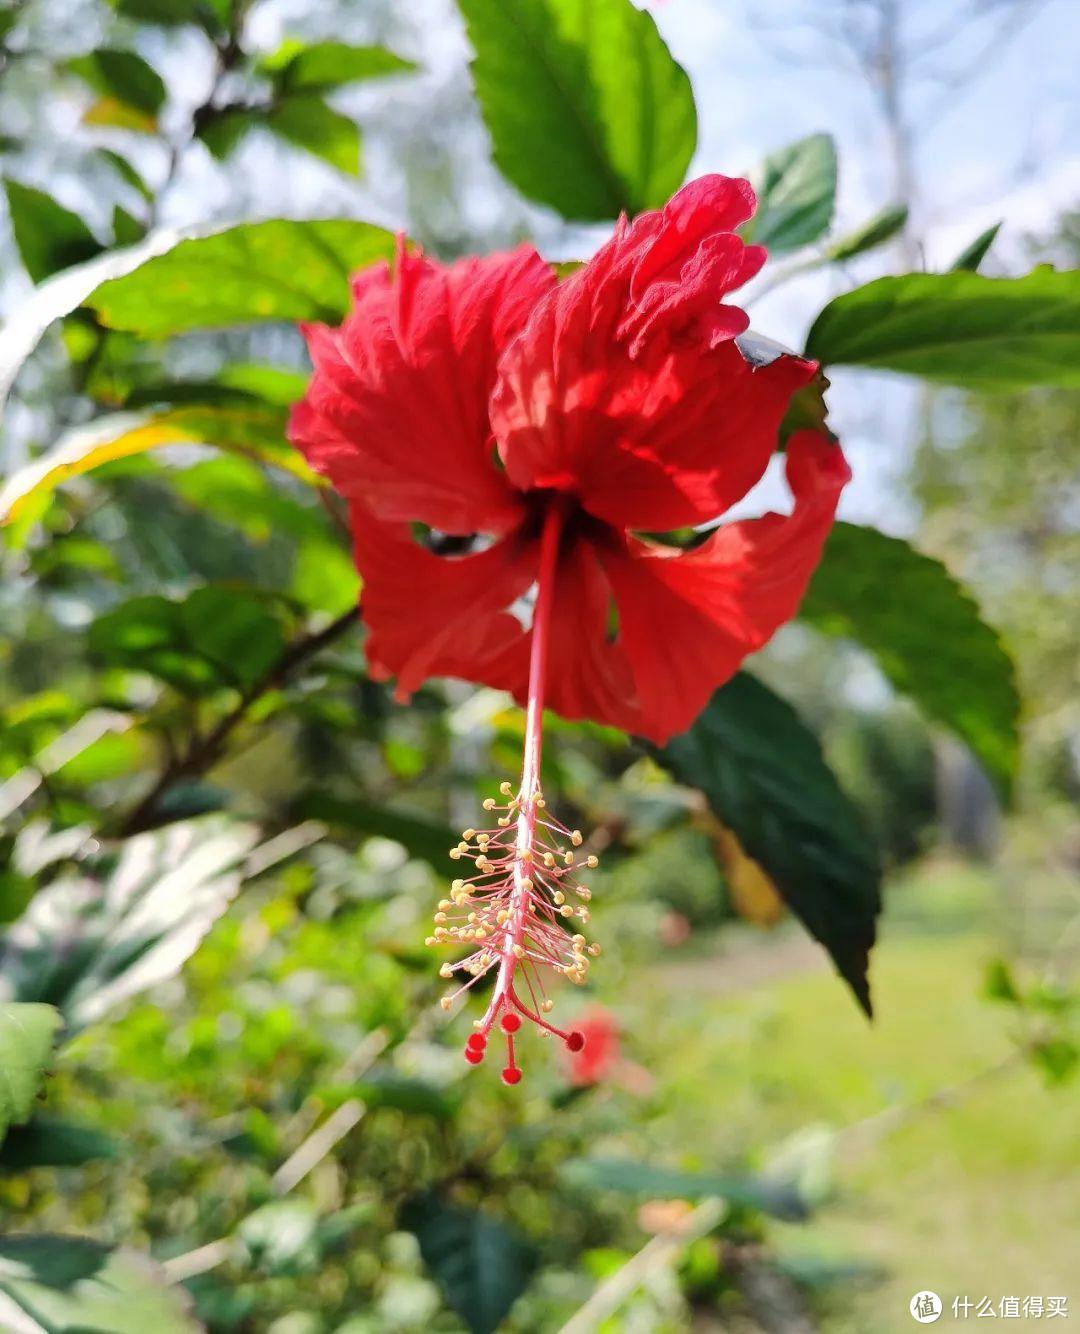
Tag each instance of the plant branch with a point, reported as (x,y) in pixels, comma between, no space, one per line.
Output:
(204,751)
(658,1253)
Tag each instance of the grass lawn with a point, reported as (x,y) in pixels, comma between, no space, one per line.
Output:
(978,1197)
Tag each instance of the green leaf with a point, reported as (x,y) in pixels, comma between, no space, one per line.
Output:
(275,270)
(480,1265)
(122,75)
(926,634)
(127,230)
(421,837)
(26,1042)
(223,129)
(880,228)
(48,236)
(63,293)
(308,123)
(210,15)
(807,410)
(257,432)
(302,120)
(587,111)
(49,1142)
(126,172)
(16,891)
(959,328)
(780,1198)
(325,578)
(86,945)
(234,632)
(216,637)
(999,983)
(973,255)
(796,189)
(763,774)
(69,1285)
(297,67)
(387,1088)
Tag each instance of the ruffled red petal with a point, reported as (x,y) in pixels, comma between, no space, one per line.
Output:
(687,621)
(626,389)
(396,414)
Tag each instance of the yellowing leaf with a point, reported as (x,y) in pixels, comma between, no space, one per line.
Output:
(119,115)
(255,433)
(753,895)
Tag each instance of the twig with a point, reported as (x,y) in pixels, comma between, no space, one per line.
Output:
(317,1145)
(659,1252)
(204,751)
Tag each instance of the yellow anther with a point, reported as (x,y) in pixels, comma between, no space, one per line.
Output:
(549,859)
(457,885)
(455,854)
(526,854)
(583,892)
(440,932)
(489,803)
(592,863)
(575,838)
(566,910)
(504,820)
(583,914)
(446,1002)
(559,897)
(446,971)
(502,916)
(444,904)
(431,941)
(547,1006)
(463,846)
(519,951)
(568,859)
(481,933)
(540,801)
(468,833)
(506,789)
(440,917)
(527,885)
(579,940)
(594,950)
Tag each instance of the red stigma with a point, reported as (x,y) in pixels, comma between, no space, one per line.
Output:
(511,1075)
(477,1041)
(575,1041)
(510,1023)
(474,1055)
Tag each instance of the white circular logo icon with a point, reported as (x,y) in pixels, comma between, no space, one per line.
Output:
(925,1307)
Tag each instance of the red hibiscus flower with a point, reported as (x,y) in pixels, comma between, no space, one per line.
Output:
(503,440)
(600,1054)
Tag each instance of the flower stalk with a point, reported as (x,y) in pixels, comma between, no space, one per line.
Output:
(517,909)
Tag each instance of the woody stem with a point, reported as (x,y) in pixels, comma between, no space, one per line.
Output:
(550,537)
